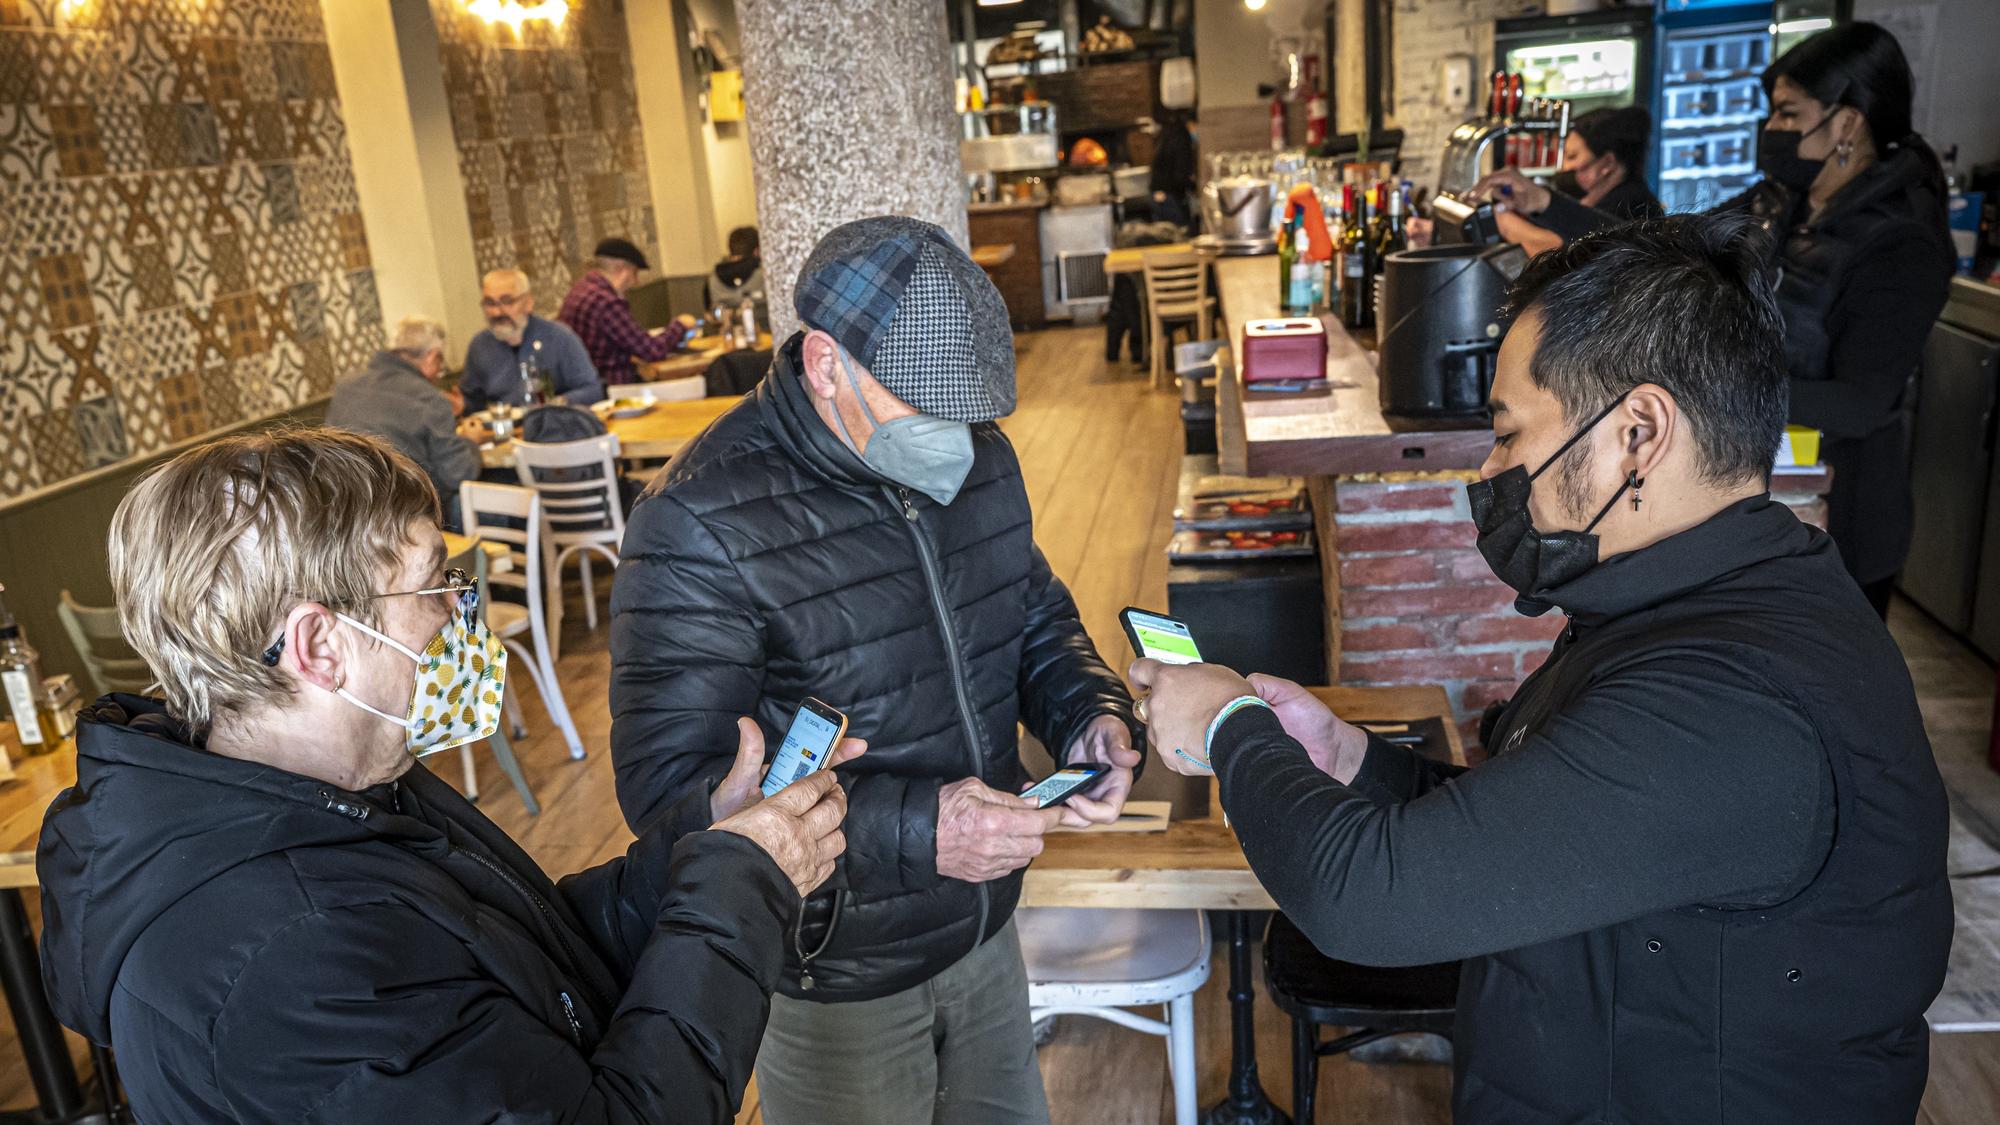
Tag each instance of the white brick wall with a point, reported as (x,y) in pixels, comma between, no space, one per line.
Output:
(1426,32)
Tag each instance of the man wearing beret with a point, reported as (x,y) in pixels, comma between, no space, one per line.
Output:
(857,531)
(597,311)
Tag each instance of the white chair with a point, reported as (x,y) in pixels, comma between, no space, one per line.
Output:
(485,508)
(581,512)
(1090,962)
(107,659)
(672,390)
(473,560)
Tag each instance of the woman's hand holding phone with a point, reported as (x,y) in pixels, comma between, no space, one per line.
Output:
(740,787)
(799,827)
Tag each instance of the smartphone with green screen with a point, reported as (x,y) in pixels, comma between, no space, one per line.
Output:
(1162,638)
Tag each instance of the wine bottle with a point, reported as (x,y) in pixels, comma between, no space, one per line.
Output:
(1354,311)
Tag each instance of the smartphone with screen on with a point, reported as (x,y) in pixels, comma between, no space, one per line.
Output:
(1159,637)
(1061,785)
(816,730)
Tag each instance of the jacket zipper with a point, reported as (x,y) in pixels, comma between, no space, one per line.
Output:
(953,660)
(806,982)
(555,927)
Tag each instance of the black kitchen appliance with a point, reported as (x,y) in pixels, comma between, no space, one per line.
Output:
(1439,329)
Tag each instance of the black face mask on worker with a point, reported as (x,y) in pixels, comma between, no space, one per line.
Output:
(1530,561)
(1778,156)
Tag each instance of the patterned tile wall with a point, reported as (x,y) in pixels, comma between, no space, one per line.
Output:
(180,239)
(547,126)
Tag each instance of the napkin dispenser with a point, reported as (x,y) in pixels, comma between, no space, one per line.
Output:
(1289,349)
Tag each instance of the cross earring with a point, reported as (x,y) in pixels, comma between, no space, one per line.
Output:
(1637,482)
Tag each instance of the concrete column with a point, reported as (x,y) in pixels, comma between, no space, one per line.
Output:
(850,112)
(386,66)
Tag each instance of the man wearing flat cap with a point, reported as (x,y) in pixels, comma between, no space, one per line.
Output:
(596,310)
(857,531)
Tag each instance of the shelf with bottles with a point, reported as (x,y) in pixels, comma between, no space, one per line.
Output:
(1741,98)
(1741,53)
(1718,152)
(1719,121)
(1709,172)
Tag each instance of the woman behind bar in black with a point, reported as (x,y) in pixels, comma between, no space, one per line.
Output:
(1603,173)
(1854,201)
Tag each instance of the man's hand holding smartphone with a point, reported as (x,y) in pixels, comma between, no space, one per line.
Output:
(983,833)
(1106,741)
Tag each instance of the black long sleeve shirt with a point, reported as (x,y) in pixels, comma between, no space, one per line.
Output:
(1640,799)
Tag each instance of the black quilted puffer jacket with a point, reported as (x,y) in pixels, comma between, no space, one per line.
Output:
(766,564)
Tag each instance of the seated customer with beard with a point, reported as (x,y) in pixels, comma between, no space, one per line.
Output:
(251,893)
(518,350)
(1702,878)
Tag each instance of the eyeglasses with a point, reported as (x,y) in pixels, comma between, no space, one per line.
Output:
(456,581)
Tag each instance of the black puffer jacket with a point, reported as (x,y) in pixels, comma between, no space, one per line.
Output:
(261,946)
(1860,286)
(766,564)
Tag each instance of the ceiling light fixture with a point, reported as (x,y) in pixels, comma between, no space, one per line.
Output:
(1254,5)
(514,13)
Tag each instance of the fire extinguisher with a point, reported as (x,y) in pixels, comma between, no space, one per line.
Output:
(1278,123)
(1315,106)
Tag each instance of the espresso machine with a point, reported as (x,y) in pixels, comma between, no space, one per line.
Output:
(1532,136)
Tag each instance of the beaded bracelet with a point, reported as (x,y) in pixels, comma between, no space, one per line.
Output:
(1208,739)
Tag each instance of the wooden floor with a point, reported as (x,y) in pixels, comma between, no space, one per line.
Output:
(1100,453)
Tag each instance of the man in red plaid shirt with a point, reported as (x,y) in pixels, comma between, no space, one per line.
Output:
(596,310)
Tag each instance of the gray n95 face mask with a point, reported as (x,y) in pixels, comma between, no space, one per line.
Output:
(931,455)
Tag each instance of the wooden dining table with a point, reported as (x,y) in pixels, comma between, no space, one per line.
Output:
(699,352)
(655,435)
(24,799)
(1197,864)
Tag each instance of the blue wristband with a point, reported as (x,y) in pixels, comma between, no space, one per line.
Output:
(1215,724)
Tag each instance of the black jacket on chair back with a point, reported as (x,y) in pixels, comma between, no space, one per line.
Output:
(766,564)
(260,946)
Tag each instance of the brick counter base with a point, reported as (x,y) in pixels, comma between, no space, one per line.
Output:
(1416,604)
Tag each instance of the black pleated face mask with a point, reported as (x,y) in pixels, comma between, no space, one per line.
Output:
(1533,562)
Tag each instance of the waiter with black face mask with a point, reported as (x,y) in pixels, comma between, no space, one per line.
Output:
(1702,879)
(1854,201)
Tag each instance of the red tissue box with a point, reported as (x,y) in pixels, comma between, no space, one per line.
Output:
(1292,349)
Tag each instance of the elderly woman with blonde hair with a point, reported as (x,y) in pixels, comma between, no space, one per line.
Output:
(272,916)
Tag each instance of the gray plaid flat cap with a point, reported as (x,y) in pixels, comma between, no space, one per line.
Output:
(902,298)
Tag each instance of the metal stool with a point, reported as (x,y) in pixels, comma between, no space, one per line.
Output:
(1314,989)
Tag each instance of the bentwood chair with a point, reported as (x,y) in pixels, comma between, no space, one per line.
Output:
(107,659)
(1176,292)
(1372,1003)
(473,561)
(511,515)
(1099,963)
(582,513)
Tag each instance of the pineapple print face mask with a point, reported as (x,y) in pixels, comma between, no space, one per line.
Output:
(460,676)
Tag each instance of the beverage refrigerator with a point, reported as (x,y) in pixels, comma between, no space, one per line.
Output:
(1593,60)
(1710,100)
